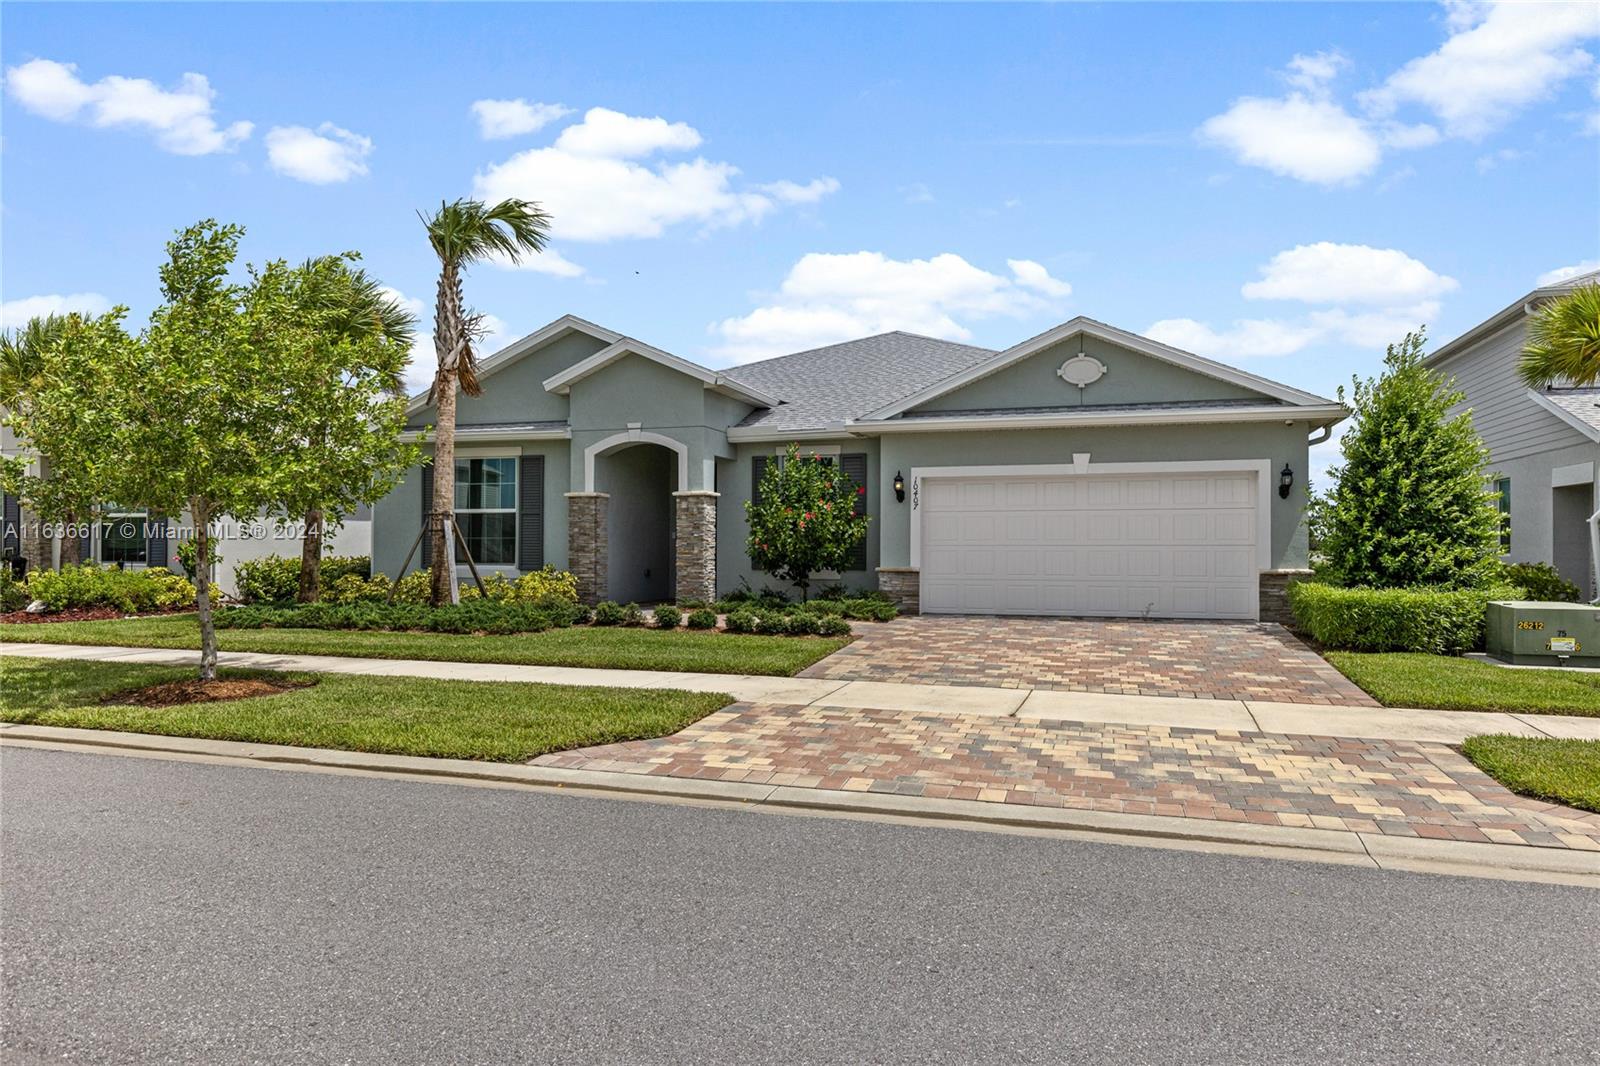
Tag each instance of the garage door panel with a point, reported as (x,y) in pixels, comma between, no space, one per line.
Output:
(1166,546)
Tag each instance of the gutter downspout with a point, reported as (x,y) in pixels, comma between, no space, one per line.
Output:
(1594,548)
(1314,439)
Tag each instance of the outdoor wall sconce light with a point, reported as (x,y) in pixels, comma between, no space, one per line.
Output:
(899,488)
(1285,481)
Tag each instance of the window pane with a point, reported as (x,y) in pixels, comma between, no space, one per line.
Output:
(486,484)
(122,539)
(491,537)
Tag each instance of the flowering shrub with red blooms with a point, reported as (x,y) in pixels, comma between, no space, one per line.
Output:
(806,520)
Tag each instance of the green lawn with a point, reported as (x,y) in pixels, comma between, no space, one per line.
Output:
(1407,679)
(1561,771)
(686,650)
(498,721)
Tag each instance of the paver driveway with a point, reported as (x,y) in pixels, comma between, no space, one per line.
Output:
(1400,788)
(1204,660)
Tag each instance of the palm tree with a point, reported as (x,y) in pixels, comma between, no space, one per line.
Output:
(463,233)
(352,306)
(1564,341)
(21,353)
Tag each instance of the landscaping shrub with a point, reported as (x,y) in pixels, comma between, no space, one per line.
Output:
(608,613)
(832,626)
(668,616)
(632,615)
(702,618)
(415,587)
(276,579)
(871,607)
(1540,581)
(129,591)
(478,617)
(800,624)
(743,620)
(533,587)
(1437,621)
(13,593)
(353,588)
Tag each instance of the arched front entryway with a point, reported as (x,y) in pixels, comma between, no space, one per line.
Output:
(639,479)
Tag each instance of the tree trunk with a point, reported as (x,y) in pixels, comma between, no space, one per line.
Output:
(448,339)
(202,589)
(311,559)
(71,546)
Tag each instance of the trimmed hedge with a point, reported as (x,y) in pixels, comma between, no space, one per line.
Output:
(668,617)
(276,578)
(1436,621)
(129,591)
(477,617)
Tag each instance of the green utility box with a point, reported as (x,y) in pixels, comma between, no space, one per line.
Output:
(1537,633)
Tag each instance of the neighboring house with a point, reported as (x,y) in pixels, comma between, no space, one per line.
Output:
(1086,471)
(135,539)
(1544,444)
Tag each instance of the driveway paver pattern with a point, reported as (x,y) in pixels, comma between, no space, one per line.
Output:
(1394,787)
(1201,660)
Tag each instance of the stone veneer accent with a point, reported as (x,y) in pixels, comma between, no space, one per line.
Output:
(695,513)
(1275,594)
(588,544)
(903,584)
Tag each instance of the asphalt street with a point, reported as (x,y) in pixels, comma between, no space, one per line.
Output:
(171,912)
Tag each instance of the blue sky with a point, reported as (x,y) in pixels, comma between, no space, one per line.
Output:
(1281,186)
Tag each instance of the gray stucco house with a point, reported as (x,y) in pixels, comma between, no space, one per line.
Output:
(1544,444)
(1084,471)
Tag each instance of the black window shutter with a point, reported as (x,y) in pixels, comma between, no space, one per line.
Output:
(854,467)
(427,507)
(155,545)
(530,513)
(12,518)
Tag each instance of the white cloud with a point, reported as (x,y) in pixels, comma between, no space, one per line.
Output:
(828,298)
(512,118)
(16,313)
(1328,273)
(322,156)
(1500,58)
(424,361)
(1298,136)
(1489,160)
(549,262)
(1361,296)
(613,135)
(1245,338)
(1550,277)
(790,192)
(182,119)
(597,187)
(917,193)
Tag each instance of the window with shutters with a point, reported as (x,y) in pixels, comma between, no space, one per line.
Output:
(122,538)
(486,509)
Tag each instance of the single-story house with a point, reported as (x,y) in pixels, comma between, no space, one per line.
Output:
(1544,444)
(1084,471)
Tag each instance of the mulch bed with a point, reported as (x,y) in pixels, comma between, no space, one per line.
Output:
(177,693)
(81,614)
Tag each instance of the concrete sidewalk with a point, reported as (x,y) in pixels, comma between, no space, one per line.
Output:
(1025,704)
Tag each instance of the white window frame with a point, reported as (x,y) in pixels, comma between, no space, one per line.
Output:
(98,544)
(515,511)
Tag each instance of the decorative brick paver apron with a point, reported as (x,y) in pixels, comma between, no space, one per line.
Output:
(1395,787)
(1204,660)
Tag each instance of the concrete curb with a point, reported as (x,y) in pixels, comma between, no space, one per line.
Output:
(1317,845)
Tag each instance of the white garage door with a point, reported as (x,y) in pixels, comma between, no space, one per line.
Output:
(1156,546)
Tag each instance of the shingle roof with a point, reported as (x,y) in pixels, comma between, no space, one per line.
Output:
(1582,404)
(1087,408)
(825,386)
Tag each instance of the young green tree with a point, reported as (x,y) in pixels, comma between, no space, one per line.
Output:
(21,366)
(1410,505)
(462,233)
(805,521)
(188,416)
(341,351)
(1564,341)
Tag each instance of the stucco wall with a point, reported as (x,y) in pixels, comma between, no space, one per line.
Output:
(516,393)
(1533,505)
(1130,378)
(1275,442)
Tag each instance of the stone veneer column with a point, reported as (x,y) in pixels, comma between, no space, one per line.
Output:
(588,544)
(1274,594)
(903,584)
(695,513)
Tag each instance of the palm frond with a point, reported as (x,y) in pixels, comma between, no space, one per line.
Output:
(1563,344)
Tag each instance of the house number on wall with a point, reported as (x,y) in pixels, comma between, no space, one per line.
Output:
(916,492)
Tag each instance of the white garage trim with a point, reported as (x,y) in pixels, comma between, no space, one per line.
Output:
(1082,467)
